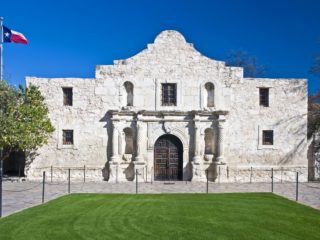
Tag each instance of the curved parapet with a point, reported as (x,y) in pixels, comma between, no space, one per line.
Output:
(171,53)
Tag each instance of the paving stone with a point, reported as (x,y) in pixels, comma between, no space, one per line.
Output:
(15,199)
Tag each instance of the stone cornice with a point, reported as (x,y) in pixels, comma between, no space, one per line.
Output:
(167,113)
(171,116)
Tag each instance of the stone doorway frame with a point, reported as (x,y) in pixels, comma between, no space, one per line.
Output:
(177,131)
(171,138)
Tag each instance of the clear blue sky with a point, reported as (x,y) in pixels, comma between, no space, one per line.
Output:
(68,38)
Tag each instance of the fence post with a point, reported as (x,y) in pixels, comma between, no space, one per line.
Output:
(136,181)
(152,174)
(251,175)
(19,171)
(207,180)
(84,173)
(51,173)
(219,173)
(43,185)
(297,186)
(227,172)
(146,174)
(272,180)
(69,180)
(281,173)
(1,174)
(117,174)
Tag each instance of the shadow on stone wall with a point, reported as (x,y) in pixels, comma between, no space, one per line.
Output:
(108,126)
(187,172)
(105,171)
(314,157)
(292,154)
(15,164)
(297,130)
(129,172)
(212,172)
(311,161)
(29,158)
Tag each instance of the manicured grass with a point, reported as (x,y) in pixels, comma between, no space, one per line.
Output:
(167,216)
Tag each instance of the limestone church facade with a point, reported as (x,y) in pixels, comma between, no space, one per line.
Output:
(172,114)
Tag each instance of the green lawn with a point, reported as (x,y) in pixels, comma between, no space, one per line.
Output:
(166,216)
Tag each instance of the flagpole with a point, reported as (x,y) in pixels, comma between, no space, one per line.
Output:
(1,49)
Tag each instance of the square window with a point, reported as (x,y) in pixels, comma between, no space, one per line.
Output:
(67,137)
(264,97)
(169,94)
(267,137)
(67,96)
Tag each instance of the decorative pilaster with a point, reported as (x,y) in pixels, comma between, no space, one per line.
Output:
(196,158)
(115,143)
(220,139)
(139,157)
(198,173)
(139,163)
(115,158)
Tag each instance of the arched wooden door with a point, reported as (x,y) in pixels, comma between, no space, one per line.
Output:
(168,158)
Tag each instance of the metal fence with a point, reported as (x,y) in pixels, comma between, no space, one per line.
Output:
(290,183)
(218,173)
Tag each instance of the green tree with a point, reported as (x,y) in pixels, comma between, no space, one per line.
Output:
(247,62)
(314,101)
(315,69)
(24,121)
(313,114)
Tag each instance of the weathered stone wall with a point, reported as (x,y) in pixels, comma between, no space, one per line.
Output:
(85,117)
(314,157)
(286,115)
(170,59)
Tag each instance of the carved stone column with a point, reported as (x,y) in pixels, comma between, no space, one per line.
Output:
(139,157)
(115,144)
(114,163)
(198,173)
(220,139)
(196,158)
(139,163)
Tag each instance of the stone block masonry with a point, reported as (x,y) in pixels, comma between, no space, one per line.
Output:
(207,115)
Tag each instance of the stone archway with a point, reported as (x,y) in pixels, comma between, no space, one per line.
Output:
(168,158)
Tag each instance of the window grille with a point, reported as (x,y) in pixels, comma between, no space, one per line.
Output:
(267,137)
(169,94)
(67,137)
(264,97)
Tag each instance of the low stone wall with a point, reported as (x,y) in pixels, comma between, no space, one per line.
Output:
(221,174)
(261,174)
(58,174)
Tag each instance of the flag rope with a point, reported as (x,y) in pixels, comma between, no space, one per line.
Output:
(1,49)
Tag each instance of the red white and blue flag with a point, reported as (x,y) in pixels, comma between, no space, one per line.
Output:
(11,36)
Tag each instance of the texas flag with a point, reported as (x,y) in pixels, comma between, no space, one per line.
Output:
(13,36)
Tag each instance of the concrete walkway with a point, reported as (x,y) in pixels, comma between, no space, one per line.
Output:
(21,195)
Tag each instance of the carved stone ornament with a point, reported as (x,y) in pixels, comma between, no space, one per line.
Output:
(208,157)
(127,157)
(166,127)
